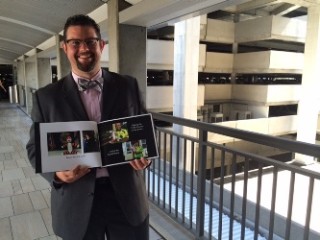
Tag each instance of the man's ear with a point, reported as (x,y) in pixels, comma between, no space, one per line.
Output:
(64,46)
(102,44)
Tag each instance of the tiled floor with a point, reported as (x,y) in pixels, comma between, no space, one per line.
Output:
(24,195)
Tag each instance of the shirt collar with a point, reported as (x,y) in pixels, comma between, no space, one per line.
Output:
(95,77)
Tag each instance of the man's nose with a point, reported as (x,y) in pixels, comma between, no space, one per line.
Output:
(83,45)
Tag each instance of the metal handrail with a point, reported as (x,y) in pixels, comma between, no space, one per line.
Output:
(272,141)
(210,191)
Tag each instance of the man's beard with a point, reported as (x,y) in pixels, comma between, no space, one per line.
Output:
(86,67)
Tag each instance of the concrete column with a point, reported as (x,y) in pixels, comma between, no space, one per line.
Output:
(235,47)
(44,72)
(309,105)
(15,72)
(133,54)
(127,48)
(22,93)
(63,65)
(185,83)
(113,35)
(32,80)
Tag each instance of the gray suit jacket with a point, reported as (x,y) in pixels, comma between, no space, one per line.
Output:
(71,203)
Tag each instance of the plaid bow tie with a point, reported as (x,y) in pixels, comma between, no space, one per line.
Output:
(85,84)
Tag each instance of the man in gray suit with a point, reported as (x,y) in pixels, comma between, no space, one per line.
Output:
(91,203)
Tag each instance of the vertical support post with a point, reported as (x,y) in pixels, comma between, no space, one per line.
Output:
(113,33)
(309,103)
(131,58)
(185,84)
(24,71)
(133,55)
(235,47)
(201,187)
(63,65)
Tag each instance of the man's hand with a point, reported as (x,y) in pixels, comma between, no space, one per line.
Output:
(72,175)
(140,164)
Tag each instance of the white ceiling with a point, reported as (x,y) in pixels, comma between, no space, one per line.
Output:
(26,25)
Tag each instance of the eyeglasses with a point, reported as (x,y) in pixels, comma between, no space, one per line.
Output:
(76,43)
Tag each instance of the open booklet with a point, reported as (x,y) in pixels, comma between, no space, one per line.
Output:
(64,145)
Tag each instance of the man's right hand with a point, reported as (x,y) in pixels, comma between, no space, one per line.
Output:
(72,175)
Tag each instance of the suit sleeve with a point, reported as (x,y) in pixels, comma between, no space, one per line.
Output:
(36,116)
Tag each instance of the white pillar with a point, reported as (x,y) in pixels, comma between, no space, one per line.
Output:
(186,62)
(185,83)
(308,109)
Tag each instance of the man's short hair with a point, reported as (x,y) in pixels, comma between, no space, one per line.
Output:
(80,20)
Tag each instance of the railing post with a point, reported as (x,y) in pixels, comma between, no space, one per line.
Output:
(202,158)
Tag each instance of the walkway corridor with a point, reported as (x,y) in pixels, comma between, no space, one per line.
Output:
(24,195)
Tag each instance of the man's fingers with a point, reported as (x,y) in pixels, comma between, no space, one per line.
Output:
(80,171)
(74,174)
(76,170)
(140,164)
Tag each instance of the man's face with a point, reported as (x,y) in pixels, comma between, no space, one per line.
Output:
(85,58)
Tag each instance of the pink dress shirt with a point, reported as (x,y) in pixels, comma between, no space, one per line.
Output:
(91,100)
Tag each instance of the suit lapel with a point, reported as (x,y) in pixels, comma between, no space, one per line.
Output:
(110,93)
(72,96)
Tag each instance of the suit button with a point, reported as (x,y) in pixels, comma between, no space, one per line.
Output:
(90,194)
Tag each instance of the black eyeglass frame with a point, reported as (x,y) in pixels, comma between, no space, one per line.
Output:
(76,43)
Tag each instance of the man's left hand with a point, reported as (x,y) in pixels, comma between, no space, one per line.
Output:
(140,164)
